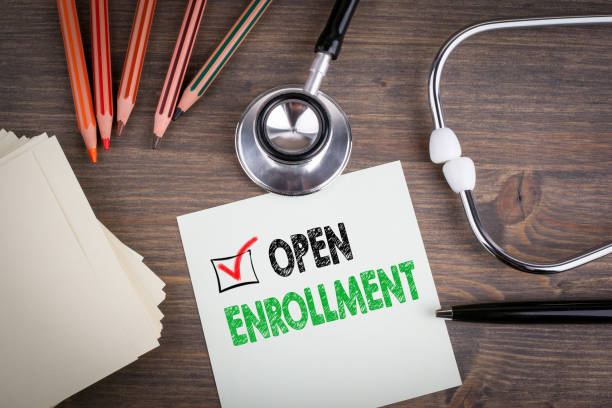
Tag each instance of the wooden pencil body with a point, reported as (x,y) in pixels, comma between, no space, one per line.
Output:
(134,59)
(178,65)
(81,93)
(224,51)
(101,65)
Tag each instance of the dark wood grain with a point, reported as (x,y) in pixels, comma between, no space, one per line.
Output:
(531,107)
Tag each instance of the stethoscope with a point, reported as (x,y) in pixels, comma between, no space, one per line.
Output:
(460,172)
(295,140)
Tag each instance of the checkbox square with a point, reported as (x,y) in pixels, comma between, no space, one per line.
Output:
(234,271)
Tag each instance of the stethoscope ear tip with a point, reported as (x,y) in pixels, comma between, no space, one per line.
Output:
(444,147)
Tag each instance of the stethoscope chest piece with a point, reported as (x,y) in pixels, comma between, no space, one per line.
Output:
(292,143)
(295,140)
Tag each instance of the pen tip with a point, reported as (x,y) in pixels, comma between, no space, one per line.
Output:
(106,144)
(177,113)
(444,313)
(156,142)
(93,155)
(120,126)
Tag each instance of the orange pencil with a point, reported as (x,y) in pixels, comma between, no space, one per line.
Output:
(134,57)
(176,70)
(100,52)
(81,94)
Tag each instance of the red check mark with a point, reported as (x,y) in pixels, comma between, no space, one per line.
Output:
(236,272)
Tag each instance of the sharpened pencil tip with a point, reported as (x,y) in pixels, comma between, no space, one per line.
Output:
(120,126)
(93,155)
(177,113)
(156,142)
(106,144)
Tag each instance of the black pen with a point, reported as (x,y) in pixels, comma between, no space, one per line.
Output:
(588,311)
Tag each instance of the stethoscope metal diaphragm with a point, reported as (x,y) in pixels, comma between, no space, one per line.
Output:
(293,127)
(292,143)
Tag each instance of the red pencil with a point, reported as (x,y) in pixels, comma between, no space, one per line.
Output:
(176,70)
(134,57)
(103,85)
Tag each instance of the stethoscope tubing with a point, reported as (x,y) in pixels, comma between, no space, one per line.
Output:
(467,199)
(435,75)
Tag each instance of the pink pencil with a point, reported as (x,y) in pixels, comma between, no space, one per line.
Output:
(134,57)
(176,70)
(100,50)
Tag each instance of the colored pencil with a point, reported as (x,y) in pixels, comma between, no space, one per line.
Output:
(215,63)
(103,85)
(176,70)
(81,94)
(134,58)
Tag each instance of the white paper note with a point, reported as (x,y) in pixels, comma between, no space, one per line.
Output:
(133,314)
(58,335)
(78,304)
(140,275)
(320,300)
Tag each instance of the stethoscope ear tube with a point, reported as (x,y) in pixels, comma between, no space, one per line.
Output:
(330,40)
(460,171)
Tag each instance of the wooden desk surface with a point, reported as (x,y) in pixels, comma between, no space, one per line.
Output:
(531,107)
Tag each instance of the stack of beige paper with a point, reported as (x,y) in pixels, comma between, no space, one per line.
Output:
(76,304)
